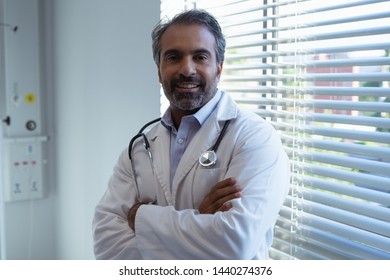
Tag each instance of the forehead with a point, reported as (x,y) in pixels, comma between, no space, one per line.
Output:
(187,38)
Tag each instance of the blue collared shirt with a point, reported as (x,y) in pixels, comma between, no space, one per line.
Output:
(189,126)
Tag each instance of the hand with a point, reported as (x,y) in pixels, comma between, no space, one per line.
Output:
(218,199)
(131,215)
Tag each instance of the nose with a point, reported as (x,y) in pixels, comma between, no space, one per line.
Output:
(187,67)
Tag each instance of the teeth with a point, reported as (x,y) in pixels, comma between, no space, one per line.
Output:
(187,85)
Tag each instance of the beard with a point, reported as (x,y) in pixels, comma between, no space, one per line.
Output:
(189,101)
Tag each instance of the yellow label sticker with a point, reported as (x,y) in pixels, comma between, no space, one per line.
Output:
(30,98)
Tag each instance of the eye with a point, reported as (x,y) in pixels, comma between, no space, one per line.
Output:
(201,57)
(171,57)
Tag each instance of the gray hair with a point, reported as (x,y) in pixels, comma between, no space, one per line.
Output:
(193,16)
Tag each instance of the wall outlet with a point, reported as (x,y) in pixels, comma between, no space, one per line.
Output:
(24,164)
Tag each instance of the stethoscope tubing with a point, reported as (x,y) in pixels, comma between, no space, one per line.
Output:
(141,134)
(223,131)
(147,145)
(207,159)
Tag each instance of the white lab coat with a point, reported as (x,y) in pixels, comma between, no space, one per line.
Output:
(250,151)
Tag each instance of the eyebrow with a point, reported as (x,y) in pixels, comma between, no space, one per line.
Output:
(196,51)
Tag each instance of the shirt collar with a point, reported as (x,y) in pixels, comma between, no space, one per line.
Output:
(208,108)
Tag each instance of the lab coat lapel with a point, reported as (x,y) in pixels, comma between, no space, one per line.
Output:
(160,143)
(204,139)
(202,142)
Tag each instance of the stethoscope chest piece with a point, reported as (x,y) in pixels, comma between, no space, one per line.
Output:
(208,158)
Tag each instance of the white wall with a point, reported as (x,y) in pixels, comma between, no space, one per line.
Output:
(105,88)
(27,227)
(101,86)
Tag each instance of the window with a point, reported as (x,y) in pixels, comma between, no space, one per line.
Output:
(319,71)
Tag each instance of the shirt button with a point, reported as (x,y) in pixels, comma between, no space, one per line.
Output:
(180,141)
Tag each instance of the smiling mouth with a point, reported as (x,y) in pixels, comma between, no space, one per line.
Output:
(187,85)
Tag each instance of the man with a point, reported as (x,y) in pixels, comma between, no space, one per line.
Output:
(170,205)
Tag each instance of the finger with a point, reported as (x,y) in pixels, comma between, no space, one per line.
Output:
(222,204)
(216,197)
(220,193)
(225,183)
(226,206)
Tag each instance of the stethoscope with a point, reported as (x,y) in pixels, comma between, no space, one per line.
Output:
(206,159)
(209,158)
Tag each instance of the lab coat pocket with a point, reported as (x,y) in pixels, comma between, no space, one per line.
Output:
(204,180)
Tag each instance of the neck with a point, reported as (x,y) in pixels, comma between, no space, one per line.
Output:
(178,114)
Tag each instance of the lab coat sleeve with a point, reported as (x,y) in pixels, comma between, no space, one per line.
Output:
(113,238)
(244,232)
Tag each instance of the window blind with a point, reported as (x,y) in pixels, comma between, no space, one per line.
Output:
(319,71)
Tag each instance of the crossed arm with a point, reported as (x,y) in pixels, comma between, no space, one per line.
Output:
(218,199)
(244,233)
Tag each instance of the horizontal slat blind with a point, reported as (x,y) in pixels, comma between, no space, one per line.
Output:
(319,71)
